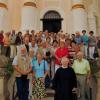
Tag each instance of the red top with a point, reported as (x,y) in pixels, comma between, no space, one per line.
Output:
(61,52)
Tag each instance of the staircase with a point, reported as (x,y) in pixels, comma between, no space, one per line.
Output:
(50,92)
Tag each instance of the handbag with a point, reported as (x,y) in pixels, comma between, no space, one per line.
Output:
(47,78)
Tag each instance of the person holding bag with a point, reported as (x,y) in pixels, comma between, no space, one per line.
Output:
(39,76)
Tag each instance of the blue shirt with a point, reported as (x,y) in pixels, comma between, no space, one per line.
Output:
(39,68)
(85,39)
(78,40)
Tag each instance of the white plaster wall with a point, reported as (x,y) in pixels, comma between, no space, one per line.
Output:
(4,1)
(69,23)
(4,19)
(4,25)
(63,7)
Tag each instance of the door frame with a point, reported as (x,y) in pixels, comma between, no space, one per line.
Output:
(56,17)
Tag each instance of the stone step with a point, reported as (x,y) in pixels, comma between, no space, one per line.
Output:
(50,93)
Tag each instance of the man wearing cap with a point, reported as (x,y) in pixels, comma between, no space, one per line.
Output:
(22,68)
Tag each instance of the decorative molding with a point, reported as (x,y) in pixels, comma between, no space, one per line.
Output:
(78,6)
(32,4)
(2,5)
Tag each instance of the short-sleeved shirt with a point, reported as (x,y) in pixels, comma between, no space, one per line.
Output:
(61,52)
(78,40)
(39,69)
(16,63)
(81,67)
(92,41)
(85,39)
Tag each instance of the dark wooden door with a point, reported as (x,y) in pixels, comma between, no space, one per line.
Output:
(52,25)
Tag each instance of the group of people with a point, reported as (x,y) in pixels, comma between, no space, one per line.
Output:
(60,56)
(86,42)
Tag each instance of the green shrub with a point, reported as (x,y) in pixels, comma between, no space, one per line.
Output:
(10,68)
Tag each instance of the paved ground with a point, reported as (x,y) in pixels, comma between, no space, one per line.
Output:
(49,98)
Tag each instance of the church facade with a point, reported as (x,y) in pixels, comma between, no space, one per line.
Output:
(54,15)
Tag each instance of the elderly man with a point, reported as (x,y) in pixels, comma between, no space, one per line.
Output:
(22,68)
(82,69)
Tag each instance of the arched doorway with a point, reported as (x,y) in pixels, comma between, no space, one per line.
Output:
(52,21)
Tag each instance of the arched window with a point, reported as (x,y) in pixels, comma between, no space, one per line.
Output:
(52,15)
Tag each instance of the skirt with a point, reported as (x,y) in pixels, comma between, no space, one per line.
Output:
(38,89)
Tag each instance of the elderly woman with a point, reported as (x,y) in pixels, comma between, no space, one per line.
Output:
(64,81)
(40,70)
(61,52)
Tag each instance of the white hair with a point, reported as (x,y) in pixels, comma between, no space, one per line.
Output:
(64,59)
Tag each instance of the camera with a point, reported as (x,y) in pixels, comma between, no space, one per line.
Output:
(48,54)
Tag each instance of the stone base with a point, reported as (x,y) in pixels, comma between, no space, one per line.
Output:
(1,86)
(4,94)
(1,97)
(98,89)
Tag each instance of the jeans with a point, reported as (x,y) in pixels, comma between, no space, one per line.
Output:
(22,88)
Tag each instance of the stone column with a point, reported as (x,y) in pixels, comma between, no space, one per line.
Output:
(28,16)
(3,15)
(3,78)
(98,80)
(98,25)
(92,22)
(79,16)
(98,86)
